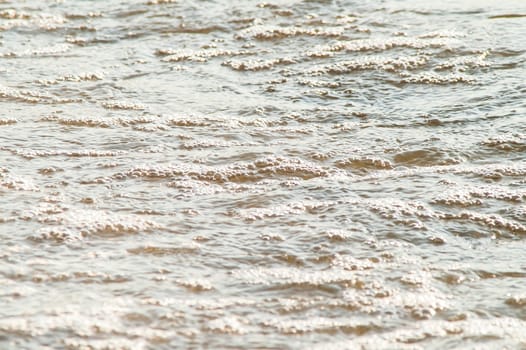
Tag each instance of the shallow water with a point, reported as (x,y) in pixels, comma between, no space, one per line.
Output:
(281,175)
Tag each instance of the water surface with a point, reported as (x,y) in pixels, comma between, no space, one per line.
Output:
(272,175)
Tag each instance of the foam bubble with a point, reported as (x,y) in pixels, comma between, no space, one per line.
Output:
(32,153)
(199,56)
(257,65)
(269,32)
(237,172)
(371,63)
(436,79)
(123,105)
(78,224)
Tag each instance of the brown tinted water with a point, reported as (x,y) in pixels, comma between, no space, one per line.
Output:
(281,175)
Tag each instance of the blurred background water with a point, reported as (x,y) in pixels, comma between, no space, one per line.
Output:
(288,174)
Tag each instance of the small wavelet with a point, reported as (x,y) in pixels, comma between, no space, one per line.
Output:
(266,32)
(32,153)
(436,79)
(372,63)
(258,65)
(76,225)
(199,56)
(94,76)
(31,96)
(239,172)
(123,105)
(8,121)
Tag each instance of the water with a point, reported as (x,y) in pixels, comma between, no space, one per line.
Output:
(281,175)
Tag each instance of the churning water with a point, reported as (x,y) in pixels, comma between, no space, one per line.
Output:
(325,174)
